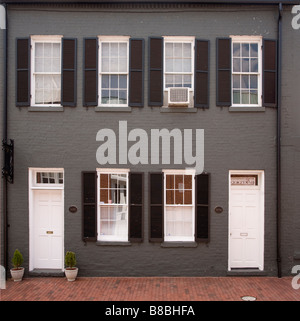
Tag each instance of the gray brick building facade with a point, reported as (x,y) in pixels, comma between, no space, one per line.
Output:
(240,137)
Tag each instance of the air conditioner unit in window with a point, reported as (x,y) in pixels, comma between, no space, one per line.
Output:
(178,97)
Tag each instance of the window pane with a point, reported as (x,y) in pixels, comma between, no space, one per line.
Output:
(254,50)
(253,97)
(179,182)
(245,81)
(245,97)
(177,50)
(177,80)
(236,50)
(169,81)
(236,97)
(187,51)
(169,50)
(169,65)
(188,197)
(105,97)
(47,50)
(39,64)
(123,81)
(56,50)
(104,181)
(105,64)
(113,50)
(47,64)
(105,81)
(114,81)
(114,65)
(170,181)
(187,65)
(105,49)
(253,82)
(188,181)
(170,197)
(104,195)
(254,65)
(39,50)
(236,64)
(187,81)
(236,81)
(245,65)
(123,97)
(122,65)
(177,65)
(178,196)
(245,50)
(123,50)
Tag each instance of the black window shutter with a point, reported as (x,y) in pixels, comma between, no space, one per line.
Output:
(136,197)
(201,95)
(90,84)
(23,72)
(136,72)
(202,208)
(89,206)
(69,62)
(155,71)
(156,207)
(223,72)
(269,73)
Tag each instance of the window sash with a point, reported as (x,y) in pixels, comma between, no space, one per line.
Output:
(45,40)
(182,41)
(186,212)
(113,101)
(112,218)
(258,73)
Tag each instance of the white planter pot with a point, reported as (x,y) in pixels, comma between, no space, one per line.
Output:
(17,274)
(71,274)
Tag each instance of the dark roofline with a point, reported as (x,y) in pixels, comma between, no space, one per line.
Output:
(269,2)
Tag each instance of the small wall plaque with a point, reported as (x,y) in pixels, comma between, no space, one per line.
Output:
(218,209)
(73,209)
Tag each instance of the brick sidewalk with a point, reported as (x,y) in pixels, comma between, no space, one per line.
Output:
(150,289)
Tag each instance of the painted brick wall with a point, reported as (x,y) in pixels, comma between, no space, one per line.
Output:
(233,140)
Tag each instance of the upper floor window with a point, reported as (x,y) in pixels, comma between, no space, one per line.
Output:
(178,69)
(246,71)
(113,71)
(46,71)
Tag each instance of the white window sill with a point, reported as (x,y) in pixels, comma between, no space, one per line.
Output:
(113,109)
(178,110)
(247,109)
(113,243)
(178,244)
(46,108)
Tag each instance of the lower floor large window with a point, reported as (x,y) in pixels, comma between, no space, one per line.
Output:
(113,205)
(179,219)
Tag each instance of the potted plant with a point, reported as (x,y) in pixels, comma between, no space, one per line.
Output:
(17,271)
(70,262)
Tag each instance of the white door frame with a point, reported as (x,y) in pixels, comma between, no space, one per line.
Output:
(31,188)
(261,185)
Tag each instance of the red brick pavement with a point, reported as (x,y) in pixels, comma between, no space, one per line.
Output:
(150,289)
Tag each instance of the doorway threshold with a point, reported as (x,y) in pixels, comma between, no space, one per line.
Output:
(46,272)
(246,272)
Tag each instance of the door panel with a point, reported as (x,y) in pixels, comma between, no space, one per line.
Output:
(48,229)
(244,227)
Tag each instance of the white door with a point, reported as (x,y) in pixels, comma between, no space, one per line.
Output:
(48,214)
(245,223)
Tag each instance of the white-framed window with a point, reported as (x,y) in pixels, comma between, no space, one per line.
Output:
(246,71)
(46,71)
(179,62)
(113,70)
(113,204)
(179,203)
(47,178)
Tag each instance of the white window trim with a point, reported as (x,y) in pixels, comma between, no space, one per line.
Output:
(179,238)
(42,38)
(34,185)
(179,39)
(111,238)
(112,39)
(248,39)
